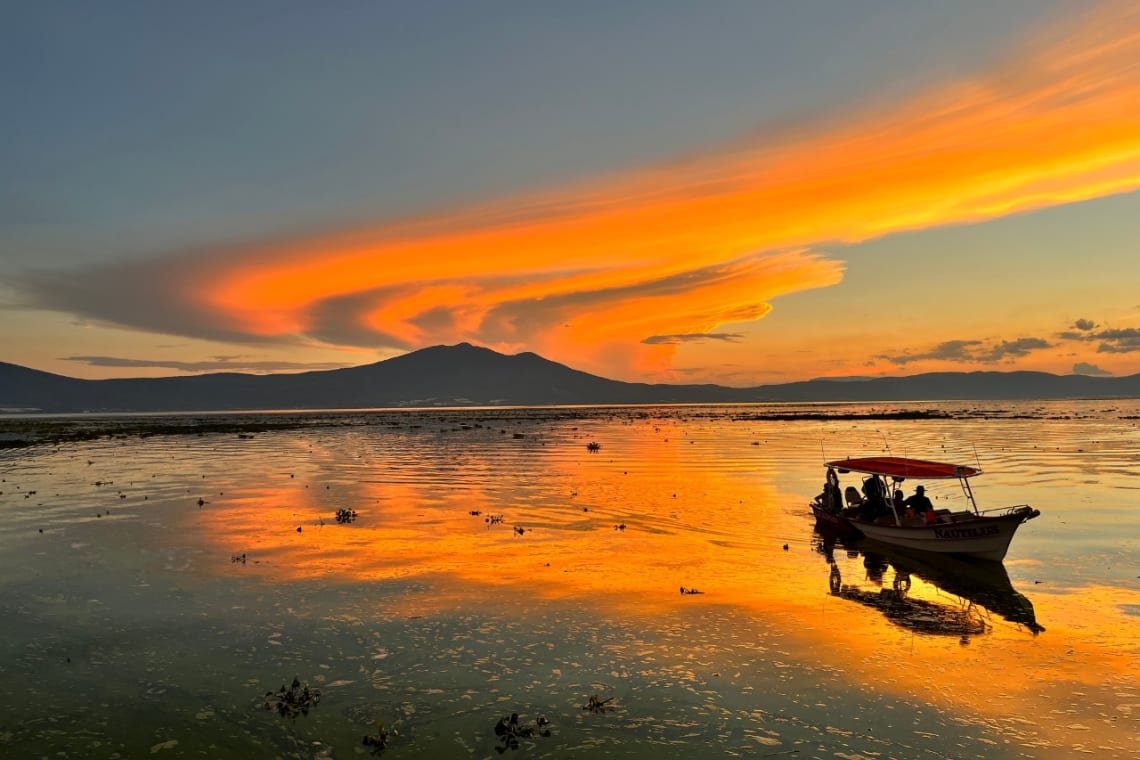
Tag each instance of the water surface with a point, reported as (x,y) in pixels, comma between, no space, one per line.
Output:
(496,564)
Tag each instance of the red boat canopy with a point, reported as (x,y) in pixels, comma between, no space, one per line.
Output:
(900,467)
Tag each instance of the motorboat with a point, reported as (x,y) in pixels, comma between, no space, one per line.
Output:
(877,510)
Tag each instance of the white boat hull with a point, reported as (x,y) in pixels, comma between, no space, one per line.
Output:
(982,536)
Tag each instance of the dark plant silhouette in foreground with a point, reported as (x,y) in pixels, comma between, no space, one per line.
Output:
(596,705)
(293,701)
(378,740)
(510,731)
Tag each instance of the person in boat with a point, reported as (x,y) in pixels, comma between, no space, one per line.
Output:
(875,504)
(832,497)
(919,501)
(873,489)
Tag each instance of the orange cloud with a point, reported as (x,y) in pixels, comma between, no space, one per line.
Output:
(589,273)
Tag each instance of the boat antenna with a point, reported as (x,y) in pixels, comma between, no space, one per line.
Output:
(822,453)
(977,459)
(886,443)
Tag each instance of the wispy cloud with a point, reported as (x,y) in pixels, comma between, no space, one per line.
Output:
(1019,347)
(971,351)
(585,274)
(693,338)
(1118,341)
(218,364)
(947,351)
(1111,340)
(1084,368)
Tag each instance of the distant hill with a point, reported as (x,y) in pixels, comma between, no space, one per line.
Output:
(466,375)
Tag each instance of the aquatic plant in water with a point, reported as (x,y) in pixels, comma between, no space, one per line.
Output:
(510,731)
(293,701)
(596,705)
(378,740)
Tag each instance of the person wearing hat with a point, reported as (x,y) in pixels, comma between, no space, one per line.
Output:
(919,502)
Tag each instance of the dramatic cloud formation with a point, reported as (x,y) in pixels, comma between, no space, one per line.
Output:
(615,275)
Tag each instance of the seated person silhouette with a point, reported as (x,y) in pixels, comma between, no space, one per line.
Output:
(873,489)
(919,501)
(875,505)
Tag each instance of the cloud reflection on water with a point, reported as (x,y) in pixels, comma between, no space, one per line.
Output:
(703,508)
(709,500)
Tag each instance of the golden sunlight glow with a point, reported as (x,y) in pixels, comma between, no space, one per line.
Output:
(685,525)
(681,249)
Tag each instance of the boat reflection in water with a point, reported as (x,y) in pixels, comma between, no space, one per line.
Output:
(981,587)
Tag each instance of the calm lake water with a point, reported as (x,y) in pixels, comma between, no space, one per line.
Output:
(153,588)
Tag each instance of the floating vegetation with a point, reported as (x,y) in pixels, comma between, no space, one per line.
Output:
(510,731)
(687,591)
(293,701)
(593,447)
(345,515)
(238,558)
(493,519)
(378,740)
(596,705)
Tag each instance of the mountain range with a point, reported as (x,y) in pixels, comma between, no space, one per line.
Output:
(466,375)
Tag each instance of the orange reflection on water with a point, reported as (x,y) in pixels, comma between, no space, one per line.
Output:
(696,514)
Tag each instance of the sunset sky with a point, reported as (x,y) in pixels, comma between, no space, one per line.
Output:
(731,192)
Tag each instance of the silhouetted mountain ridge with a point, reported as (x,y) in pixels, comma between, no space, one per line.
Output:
(466,375)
